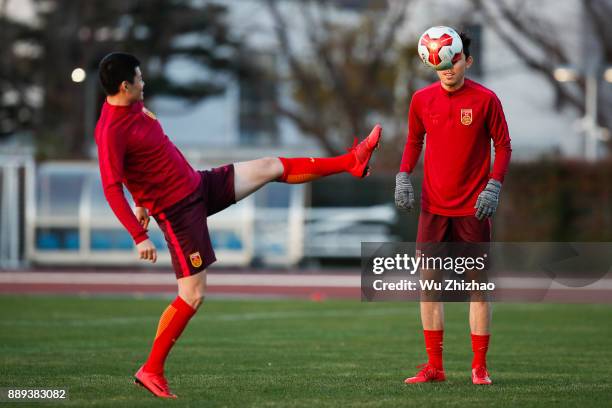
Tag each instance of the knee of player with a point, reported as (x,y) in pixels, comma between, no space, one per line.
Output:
(197,301)
(273,164)
(194,297)
(194,300)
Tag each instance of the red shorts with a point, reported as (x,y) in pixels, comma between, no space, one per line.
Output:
(440,228)
(455,237)
(184,223)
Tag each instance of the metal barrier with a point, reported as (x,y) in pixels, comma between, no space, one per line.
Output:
(17,171)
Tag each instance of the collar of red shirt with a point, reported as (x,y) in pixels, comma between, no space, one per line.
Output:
(133,108)
(458,91)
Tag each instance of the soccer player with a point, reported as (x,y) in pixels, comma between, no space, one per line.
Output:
(134,151)
(460,192)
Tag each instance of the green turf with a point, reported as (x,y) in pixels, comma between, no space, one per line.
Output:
(306,354)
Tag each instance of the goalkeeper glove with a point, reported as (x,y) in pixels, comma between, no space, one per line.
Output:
(404,192)
(487,201)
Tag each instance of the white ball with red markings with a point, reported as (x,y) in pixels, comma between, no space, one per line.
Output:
(440,47)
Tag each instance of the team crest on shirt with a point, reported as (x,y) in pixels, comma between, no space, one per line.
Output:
(466,117)
(196,259)
(149,113)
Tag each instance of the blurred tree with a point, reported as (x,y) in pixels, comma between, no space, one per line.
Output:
(346,76)
(535,38)
(18,66)
(563,201)
(36,65)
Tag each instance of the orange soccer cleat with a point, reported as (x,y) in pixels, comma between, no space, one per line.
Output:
(363,152)
(480,376)
(428,373)
(155,383)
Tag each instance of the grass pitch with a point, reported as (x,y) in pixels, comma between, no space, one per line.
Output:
(302,354)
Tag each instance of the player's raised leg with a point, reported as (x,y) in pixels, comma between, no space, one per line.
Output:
(173,321)
(251,175)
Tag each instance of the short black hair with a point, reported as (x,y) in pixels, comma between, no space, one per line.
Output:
(115,68)
(466,40)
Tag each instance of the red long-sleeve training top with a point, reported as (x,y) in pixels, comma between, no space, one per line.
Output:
(133,150)
(459,126)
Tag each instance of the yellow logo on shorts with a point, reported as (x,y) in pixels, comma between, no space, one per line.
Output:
(196,259)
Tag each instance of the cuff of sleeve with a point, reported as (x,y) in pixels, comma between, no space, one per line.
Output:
(496,181)
(497,178)
(140,237)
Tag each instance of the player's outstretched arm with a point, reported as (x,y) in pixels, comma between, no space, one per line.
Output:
(488,199)
(111,154)
(404,192)
(486,204)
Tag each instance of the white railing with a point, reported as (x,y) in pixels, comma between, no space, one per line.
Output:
(16,173)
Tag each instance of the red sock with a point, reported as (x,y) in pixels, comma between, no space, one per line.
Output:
(171,325)
(480,345)
(433,346)
(303,169)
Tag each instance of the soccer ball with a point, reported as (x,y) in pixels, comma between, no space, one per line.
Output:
(440,47)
